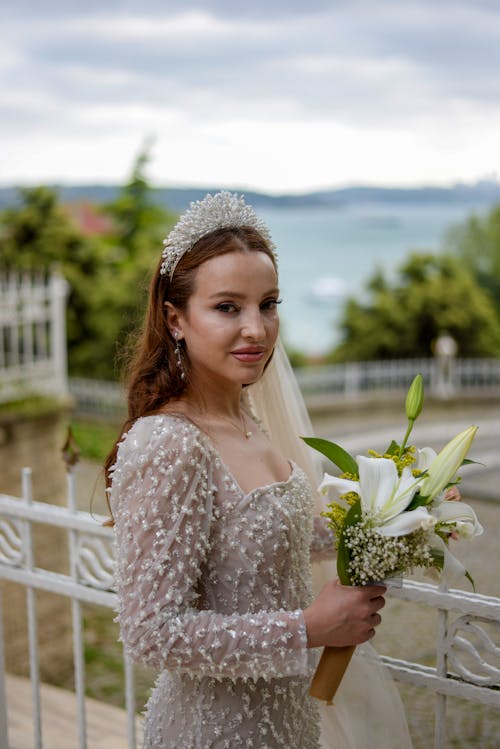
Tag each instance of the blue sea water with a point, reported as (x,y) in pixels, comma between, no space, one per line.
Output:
(327,254)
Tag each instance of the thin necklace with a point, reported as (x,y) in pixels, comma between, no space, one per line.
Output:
(246,432)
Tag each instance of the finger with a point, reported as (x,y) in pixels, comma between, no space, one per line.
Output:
(376,591)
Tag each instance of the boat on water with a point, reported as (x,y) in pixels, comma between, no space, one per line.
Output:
(328,289)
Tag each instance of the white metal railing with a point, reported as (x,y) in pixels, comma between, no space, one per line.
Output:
(467,655)
(32,336)
(392,375)
(345,381)
(89,580)
(467,644)
(100,398)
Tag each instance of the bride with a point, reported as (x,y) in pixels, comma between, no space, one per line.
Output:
(215,517)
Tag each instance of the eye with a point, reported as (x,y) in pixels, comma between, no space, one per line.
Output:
(270,304)
(227,307)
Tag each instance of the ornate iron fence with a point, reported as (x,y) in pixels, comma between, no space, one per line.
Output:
(467,640)
(32,336)
(89,581)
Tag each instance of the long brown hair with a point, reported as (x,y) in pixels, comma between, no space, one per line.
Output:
(152,376)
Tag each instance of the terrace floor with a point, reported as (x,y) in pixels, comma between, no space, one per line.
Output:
(106,725)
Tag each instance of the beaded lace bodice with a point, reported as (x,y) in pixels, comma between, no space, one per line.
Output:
(211,583)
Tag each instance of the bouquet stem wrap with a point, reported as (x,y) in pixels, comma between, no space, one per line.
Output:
(329,672)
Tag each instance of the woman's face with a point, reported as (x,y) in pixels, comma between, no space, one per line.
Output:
(231,321)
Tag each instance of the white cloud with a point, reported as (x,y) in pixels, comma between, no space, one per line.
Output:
(354,66)
(279,95)
(130,27)
(273,155)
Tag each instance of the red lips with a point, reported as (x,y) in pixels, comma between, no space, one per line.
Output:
(249,353)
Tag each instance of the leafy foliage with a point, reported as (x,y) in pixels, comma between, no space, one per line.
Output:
(39,237)
(108,274)
(476,242)
(402,319)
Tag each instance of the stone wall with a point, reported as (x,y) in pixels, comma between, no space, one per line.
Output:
(32,434)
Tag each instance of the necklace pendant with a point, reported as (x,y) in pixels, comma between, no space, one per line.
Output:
(248,435)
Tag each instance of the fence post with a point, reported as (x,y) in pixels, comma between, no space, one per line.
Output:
(352,379)
(441,669)
(4,731)
(59,290)
(32,618)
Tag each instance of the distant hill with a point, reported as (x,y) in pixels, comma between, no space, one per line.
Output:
(485,193)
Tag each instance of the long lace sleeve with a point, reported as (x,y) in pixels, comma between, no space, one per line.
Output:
(323,542)
(164,504)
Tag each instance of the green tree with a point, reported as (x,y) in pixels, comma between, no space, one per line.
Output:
(133,250)
(38,234)
(139,221)
(108,275)
(401,319)
(476,242)
(39,237)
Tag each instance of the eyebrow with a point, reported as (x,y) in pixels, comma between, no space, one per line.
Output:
(237,295)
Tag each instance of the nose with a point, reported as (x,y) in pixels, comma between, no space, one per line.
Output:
(253,327)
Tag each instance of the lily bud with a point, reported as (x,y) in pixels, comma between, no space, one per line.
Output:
(445,465)
(415,398)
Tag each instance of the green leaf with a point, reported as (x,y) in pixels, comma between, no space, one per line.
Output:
(469,578)
(417,501)
(468,462)
(343,553)
(393,448)
(437,558)
(335,453)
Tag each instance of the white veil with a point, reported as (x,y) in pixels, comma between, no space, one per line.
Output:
(368,712)
(278,404)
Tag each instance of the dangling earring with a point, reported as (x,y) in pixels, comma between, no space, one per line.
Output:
(177,352)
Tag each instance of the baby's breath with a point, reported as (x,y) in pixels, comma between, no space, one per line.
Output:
(374,557)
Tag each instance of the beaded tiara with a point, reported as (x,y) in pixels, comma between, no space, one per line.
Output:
(224,210)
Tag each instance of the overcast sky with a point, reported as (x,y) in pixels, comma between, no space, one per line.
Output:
(279,95)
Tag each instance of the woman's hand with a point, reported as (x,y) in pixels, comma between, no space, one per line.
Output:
(343,615)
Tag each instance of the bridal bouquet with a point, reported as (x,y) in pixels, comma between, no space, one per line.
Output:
(393,512)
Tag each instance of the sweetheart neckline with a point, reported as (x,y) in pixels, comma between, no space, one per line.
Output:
(211,445)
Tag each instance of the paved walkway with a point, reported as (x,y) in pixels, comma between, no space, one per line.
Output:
(106,725)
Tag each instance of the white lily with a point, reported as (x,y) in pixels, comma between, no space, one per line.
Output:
(445,465)
(457,517)
(424,458)
(384,496)
(453,571)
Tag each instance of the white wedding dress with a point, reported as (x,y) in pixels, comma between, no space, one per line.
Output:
(212,582)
